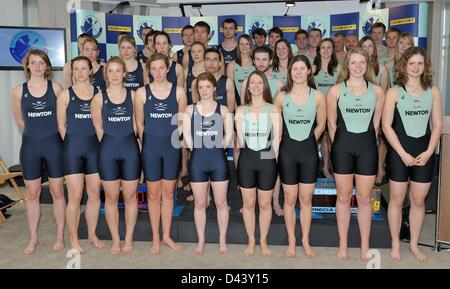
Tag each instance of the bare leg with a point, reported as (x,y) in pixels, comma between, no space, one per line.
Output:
(248,214)
(93,208)
(112,190)
(382,152)
(265,216)
(364,185)
(397,193)
(32,205)
(290,198)
(200,191)
(129,189)
(417,195)
(220,190)
(75,185)
(306,194)
(56,186)
(325,147)
(344,187)
(154,211)
(168,187)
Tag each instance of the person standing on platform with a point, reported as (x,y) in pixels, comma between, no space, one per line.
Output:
(351,41)
(80,150)
(239,69)
(145,53)
(392,35)
(198,56)
(275,34)
(409,108)
(339,46)
(281,57)
(405,41)
(259,35)
(354,107)
(304,115)
(258,126)
(207,131)
(91,50)
(34,110)
(326,71)
(301,40)
(382,79)
(157,108)
(187,36)
(163,44)
(314,37)
(136,75)
(67,71)
(228,47)
(377,31)
(262,59)
(118,159)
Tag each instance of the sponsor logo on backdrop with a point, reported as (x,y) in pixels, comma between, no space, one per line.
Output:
(92,26)
(258,23)
(142,25)
(371,20)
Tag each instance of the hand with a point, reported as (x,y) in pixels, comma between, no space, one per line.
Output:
(408,159)
(423,158)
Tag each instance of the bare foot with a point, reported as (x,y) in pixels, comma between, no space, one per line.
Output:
(58,246)
(265,251)
(199,249)
(32,244)
(96,242)
(250,249)
(278,210)
(115,248)
(190,198)
(365,255)
(395,254)
(172,245)
(223,250)
(416,252)
(342,254)
(290,251)
(309,252)
(128,248)
(77,246)
(156,246)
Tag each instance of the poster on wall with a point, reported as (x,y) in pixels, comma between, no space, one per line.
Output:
(367,19)
(289,25)
(345,23)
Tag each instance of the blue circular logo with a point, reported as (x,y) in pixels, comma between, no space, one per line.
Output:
(23,41)
(92,26)
(143,25)
(211,35)
(319,25)
(371,20)
(258,23)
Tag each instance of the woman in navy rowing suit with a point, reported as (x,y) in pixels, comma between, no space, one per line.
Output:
(34,109)
(80,150)
(118,159)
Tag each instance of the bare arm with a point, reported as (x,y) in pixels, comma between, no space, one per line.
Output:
(186,59)
(228,123)
(242,92)
(187,136)
(277,124)
(61,106)
(180,75)
(139,103)
(278,100)
(238,123)
(182,103)
(194,92)
(133,97)
(96,112)
(16,97)
(332,99)
(384,78)
(145,73)
(231,98)
(378,109)
(321,115)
